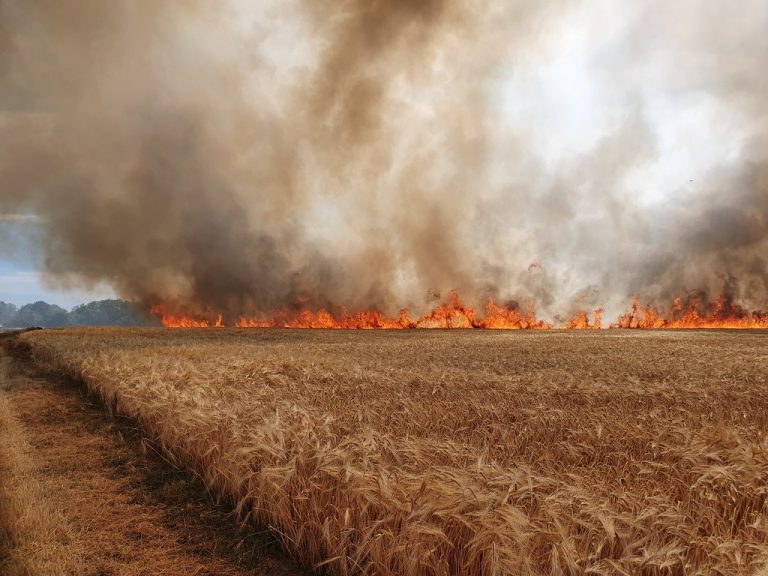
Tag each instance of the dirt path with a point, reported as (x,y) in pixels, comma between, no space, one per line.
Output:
(82,493)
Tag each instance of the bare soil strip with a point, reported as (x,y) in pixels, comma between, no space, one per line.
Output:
(81,493)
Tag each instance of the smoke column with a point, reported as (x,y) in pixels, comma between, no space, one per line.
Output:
(237,156)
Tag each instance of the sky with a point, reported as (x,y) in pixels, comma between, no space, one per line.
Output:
(22,280)
(19,287)
(23,283)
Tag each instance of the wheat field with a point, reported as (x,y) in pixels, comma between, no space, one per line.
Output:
(459,452)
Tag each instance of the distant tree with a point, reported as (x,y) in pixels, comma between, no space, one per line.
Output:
(109,313)
(40,314)
(7,311)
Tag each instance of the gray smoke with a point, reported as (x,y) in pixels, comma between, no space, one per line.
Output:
(242,156)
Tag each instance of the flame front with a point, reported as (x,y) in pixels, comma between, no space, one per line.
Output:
(693,313)
(450,314)
(581,321)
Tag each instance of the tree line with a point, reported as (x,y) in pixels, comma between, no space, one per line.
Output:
(98,313)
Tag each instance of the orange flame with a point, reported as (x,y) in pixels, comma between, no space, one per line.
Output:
(581,321)
(511,318)
(181,320)
(451,314)
(693,313)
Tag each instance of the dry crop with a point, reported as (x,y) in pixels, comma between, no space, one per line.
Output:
(436,452)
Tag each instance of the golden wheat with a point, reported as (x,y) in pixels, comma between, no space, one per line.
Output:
(460,452)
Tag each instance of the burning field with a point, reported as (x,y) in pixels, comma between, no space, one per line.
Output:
(392,164)
(459,452)
(696,312)
(578,188)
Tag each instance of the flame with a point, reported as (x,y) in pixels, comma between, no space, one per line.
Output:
(450,314)
(581,321)
(181,320)
(370,320)
(694,312)
(511,318)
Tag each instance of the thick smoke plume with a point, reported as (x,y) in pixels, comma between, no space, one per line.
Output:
(244,156)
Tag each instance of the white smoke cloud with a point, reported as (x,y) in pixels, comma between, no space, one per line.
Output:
(237,155)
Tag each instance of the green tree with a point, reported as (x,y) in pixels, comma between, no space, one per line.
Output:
(109,313)
(40,314)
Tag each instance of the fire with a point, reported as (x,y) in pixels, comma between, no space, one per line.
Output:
(581,321)
(451,314)
(181,320)
(371,320)
(694,312)
(511,318)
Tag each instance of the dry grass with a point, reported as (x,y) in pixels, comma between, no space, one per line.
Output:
(82,494)
(461,452)
(35,539)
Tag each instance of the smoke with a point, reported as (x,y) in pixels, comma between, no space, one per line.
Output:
(242,156)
